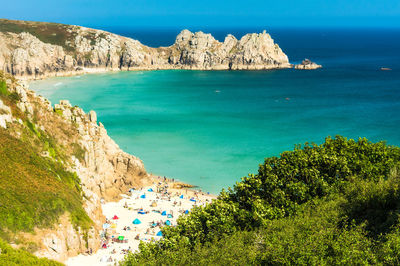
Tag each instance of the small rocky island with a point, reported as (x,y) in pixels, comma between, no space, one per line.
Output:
(307,64)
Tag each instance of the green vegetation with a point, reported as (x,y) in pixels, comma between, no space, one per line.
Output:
(335,203)
(10,256)
(3,88)
(35,190)
(54,33)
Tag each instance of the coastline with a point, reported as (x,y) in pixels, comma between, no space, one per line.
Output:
(155,206)
(84,71)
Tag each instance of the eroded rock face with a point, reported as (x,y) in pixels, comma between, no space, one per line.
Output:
(24,55)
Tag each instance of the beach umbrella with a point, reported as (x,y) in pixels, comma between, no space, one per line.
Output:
(113,226)
(169,215)
(186,212)
(121,238)
(136,221)
(181,196)
(150,190)
(115,217)
(167,222)
(164,213)
(106,226)
(154,204)
(159,233)
(143,196)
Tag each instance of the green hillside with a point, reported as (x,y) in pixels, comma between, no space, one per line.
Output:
(332,204)
(35,190)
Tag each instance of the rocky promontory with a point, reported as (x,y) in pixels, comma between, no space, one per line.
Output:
(36,50)
(74,141)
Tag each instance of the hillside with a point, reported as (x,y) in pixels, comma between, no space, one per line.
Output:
(55,166)
(337,203)
(38,49)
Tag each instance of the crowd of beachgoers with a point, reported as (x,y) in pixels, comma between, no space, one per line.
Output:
(140,216)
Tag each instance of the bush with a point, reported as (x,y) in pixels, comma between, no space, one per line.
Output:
(334,203)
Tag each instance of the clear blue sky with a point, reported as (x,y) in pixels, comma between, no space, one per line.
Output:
(208,13)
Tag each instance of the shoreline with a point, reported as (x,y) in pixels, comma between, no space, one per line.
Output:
(139,216)
(89,70)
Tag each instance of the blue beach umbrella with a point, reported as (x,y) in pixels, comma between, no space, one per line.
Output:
(159,233)
(150,190)
(167,222)
(186,212)
(164,213)
(143,196)
(181,196)
(169,215)
(136,221)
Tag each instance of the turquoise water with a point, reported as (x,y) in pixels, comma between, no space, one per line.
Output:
(210,128)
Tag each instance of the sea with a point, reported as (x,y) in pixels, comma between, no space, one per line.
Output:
(210,128)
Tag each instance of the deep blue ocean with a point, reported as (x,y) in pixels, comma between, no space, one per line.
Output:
(210,128)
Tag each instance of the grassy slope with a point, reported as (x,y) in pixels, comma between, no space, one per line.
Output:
(54,33)
(34,190)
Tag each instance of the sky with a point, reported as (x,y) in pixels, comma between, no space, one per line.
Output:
(209,13)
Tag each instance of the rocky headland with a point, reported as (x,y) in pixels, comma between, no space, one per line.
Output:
(67,136)
(33,50)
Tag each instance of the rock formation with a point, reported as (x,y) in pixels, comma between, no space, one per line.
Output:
(105,171)
(307,64)
(79,49)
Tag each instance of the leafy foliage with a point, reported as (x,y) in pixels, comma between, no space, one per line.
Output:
(334,203)
(10,256)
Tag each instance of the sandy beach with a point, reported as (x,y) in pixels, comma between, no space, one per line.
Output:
(139,216)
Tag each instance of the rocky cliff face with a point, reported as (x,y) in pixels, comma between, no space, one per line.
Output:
(77,49)
(105,171)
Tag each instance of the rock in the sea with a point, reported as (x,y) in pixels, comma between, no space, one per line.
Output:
(307,64)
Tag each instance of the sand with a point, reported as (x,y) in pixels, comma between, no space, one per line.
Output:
(127,210)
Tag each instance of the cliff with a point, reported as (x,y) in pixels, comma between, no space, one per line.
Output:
(36,49)
(56,166)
